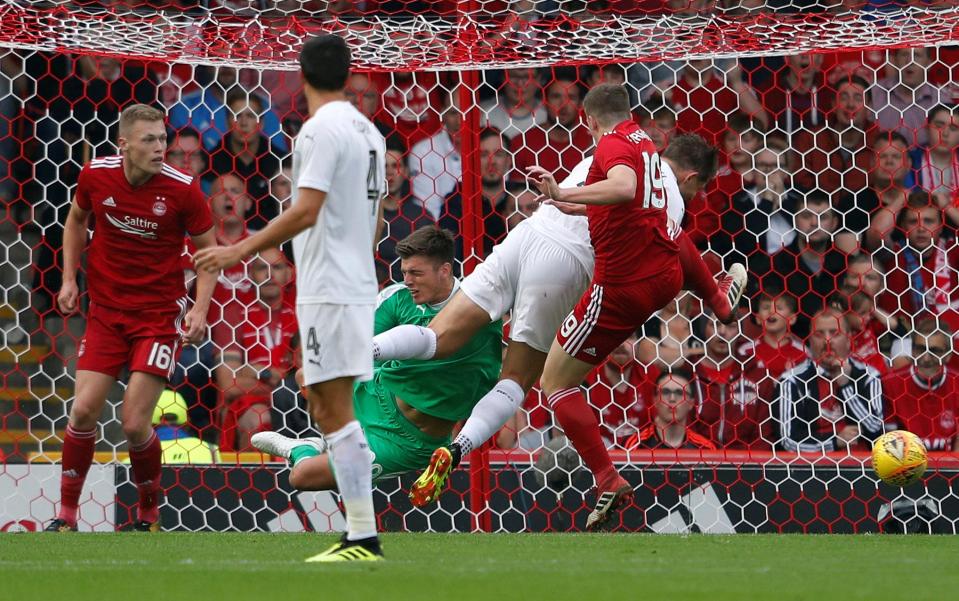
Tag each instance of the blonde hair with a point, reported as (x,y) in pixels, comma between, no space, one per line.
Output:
(138,112)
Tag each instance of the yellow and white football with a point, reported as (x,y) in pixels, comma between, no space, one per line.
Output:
(899,458)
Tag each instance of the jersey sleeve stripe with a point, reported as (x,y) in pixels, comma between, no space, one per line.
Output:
(177,175)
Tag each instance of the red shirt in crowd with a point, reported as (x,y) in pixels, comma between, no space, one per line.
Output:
(134,260)
(926,408)
(730,411)
(765,360)
(939,270)
(649,439)
(266,335)
(409,107)
(622,405)
(704,107)
(535,147)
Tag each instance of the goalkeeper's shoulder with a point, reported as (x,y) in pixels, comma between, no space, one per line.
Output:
(391,293)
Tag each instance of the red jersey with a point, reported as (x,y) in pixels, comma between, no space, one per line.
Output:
(703,108)
(622,405)
(630,239)
(729,409)
(649,439)
(134,260)
(926,283)
(865,347)
(927,409)
(761,358)
(267,336)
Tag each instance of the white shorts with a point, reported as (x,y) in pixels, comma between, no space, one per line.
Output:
(536,278)
(337,341)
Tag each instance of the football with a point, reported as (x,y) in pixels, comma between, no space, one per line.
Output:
(899,458)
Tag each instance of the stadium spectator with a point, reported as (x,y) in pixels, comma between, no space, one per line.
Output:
(206,111)
(668,339)
(741,141)
(229,202)
(829,402)
(401,214)
(620,392)
(563,140)
(363,91)
(409,104)
(923,397)
(759,222)
(795,96)
(864,328)
(729,410)
(809,267)
(283,91)
(499,196)
(673,401)
(247,153)
(866,274)
(937,163)
(704,97)
(659,124)
(775,349)
(517,107)
(186,153)
(435,163)
(904,96)
(260,356)
(923,273)
(179,442)
(835,158)
(889,181)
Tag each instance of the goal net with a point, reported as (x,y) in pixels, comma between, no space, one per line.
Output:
(837,188)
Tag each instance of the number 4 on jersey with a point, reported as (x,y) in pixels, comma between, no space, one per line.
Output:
(312,344)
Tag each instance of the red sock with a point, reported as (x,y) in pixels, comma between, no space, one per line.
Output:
(698,278)
(146,459)
(77,457)
(581,428)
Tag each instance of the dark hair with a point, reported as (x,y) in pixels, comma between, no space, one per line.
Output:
(773,294)
(491,132)
(889,137)
(690,151)
(236,95)
(745,125)
(184,132)
(608,103)
(931,325)
(939,108)
(856,81)
(325,62)
(681,371)
(428,241)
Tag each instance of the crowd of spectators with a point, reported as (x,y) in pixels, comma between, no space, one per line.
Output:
(837,190)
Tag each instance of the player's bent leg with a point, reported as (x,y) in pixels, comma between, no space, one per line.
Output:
(146,454)
(562,375)
(331,405)
(313,473)
(78,444)
(457,323)
(722,295)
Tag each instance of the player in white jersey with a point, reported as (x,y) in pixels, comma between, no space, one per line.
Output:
(339,167)
(539,271)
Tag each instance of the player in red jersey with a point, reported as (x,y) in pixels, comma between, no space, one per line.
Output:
(924,398)
(138,318)
(636,272)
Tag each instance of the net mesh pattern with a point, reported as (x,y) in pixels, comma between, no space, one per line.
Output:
(837,190)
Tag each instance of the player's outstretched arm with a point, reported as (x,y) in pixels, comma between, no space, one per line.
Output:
(194,324)
(618,187)
(74,239)
(302,215)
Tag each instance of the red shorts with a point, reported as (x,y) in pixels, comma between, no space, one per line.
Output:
(146,340)
(605,316)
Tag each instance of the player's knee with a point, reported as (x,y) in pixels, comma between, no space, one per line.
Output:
(83,416)
(136,429)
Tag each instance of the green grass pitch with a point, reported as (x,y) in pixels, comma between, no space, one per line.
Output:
(492,567)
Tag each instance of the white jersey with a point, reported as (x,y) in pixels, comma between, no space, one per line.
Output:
(340,152)
(572,231)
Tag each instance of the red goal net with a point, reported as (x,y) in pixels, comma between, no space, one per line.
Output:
(838,135)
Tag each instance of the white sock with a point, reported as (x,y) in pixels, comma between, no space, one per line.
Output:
(490,414)
(353,468)
(405,342)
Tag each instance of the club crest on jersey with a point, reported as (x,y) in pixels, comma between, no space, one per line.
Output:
(159,207)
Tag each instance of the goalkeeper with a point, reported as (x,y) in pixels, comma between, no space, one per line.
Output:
(410,407)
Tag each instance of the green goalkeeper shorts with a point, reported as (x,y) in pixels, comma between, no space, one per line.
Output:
(397,444)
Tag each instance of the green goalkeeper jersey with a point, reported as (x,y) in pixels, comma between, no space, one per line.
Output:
(445,388)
